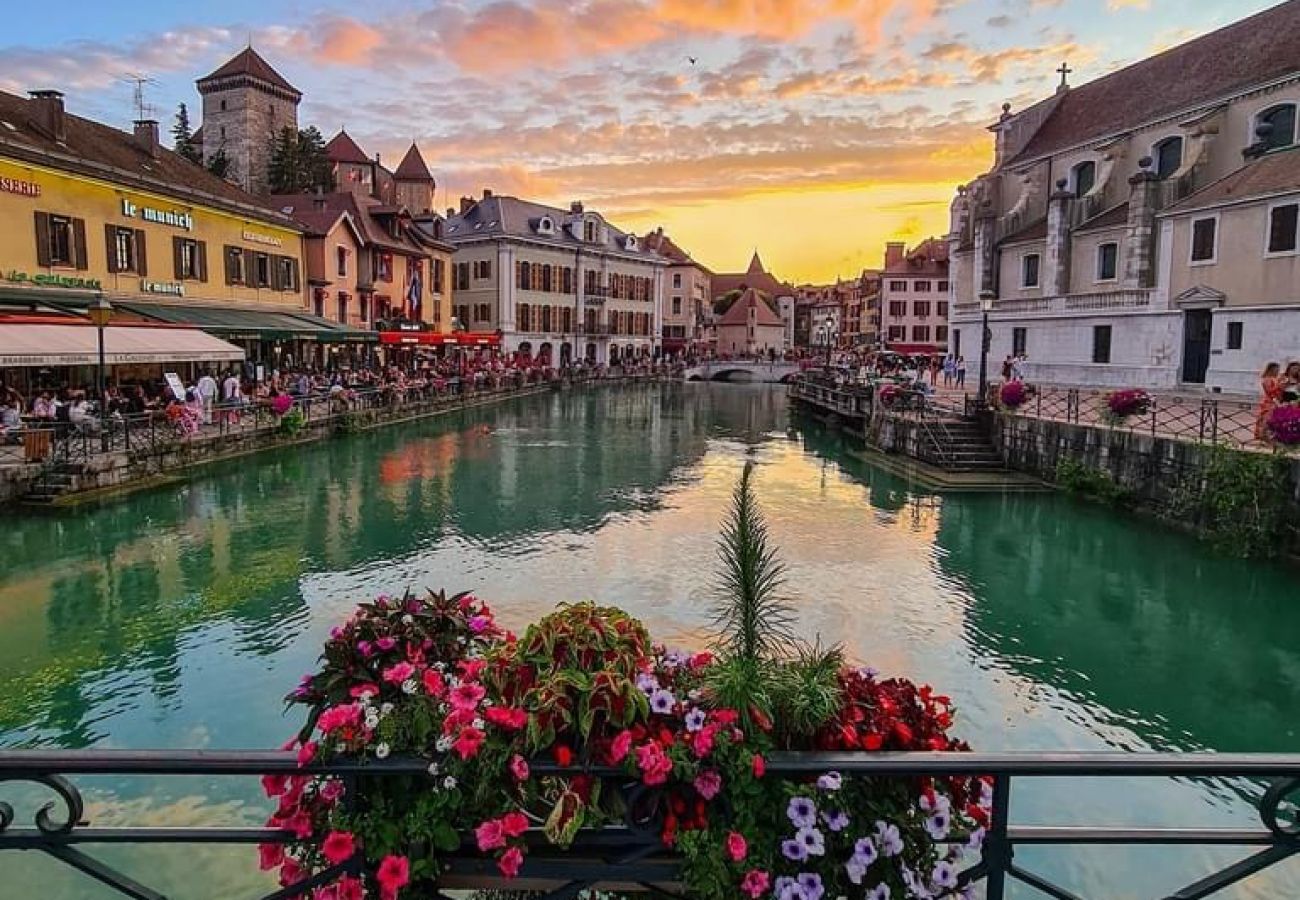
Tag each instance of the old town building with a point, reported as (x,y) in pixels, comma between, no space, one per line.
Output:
(1139,230)
(687,295)
(558,284)
(750,327)
(914,294)
(780,293)
(245,104)
(373,261)
(88,210)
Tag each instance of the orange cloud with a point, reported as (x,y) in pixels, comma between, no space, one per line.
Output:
(347,41)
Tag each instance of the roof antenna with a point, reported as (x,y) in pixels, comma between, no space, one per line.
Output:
(138,81)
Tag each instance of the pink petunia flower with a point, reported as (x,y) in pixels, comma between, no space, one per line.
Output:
(737,849)
(490,835)
(399,672)
(510,862)
(338,846)
(466,696)
(468,743)
(619,748)
(394,873)
(519,767)
(755,883)
(708,783)
(270,856)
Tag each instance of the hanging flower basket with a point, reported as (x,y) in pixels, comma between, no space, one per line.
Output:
(1120,405)
(1284,425)
(1013,394)
(508,727)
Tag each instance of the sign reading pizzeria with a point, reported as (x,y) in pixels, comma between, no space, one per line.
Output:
(174,218)
(20,187)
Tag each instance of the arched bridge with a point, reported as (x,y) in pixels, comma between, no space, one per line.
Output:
(742,370)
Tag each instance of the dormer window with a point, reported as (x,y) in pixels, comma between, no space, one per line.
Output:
(589,231)
(1280,124)
(630,242)
(1084,178)
(545,225)
(1168,156)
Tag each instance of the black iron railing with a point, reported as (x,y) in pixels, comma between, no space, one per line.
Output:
(631,854)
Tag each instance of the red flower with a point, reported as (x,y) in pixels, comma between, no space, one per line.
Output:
(737,849)
(394,873)
(466,696)
(398,673)
(470,669)
(563,755)
(306,753)
(338,847)
(702,741)
(274,785)
(700,660)
(726,717)
(291,872)
(434,686)
(490,835)
(270,856)
(519,767)
(872,741)
(468,743)
(755,883)
(514,824)
(654,763)
(351,888)
(760,766)
(510,862)
(368,688)
(508,717)
(619,748)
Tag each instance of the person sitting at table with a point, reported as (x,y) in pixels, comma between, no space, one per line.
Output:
(43,406)
(11,416)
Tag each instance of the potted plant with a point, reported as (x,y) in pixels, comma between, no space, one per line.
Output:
(519,737)
(1284,425)
(1013,395)
(1118,406)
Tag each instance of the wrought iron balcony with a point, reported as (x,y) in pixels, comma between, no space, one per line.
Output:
(631,853)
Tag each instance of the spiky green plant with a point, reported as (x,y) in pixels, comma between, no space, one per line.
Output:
(806,689)
(753,621)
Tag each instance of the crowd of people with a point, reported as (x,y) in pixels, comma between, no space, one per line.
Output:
(1277,386)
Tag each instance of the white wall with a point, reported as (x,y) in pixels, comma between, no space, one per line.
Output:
(1268,335)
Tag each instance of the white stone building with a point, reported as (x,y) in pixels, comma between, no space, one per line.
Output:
(557,284)
(1079,241)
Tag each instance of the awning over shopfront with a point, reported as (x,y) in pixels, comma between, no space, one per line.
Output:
(908,349)
(252,325)
(436,339)
(38,344)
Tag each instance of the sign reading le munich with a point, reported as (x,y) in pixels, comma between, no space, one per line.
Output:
(161,216)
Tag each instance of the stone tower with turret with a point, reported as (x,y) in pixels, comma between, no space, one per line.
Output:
(245,103)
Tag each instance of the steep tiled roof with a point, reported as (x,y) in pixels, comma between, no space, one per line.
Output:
(505,216)
(754,277)
(1273,173)
(1111,218)
(314,210)
(1255,50)
(249,62)
(342,149)
(92,148)
(412,167)
(738,314)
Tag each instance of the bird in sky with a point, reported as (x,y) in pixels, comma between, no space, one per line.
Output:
(692,59)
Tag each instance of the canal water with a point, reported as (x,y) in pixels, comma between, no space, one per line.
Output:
(178,618)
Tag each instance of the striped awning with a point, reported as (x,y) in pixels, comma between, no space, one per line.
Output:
(28,345)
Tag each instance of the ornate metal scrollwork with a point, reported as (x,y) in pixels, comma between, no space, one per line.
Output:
(73,806)
(1270,805)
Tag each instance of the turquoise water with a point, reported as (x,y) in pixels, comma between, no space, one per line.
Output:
(180,617)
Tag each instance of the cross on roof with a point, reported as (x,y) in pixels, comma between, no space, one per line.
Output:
(1065,71)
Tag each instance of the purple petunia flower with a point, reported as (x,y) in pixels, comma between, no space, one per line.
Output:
(813,840)
(939,824)
(864,850)
(646,683)
(976,840)
(855,870)
(802,812)
(831,781)
(695,719)
(662,701)
(811,883)
(794,850)
(836,821)
(891,843)
(786,888)
(879,892)
(944,875)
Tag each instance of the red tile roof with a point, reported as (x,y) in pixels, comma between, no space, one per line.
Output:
(1273,173)
(412,167)
(738,314)
(315,211)
(930,257)
(92,148)
(754,277)
(249,62)
(1255,50)
(342,149)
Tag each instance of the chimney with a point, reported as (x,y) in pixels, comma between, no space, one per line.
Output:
(451,211)
(487,194)
(47,114)
(146,136)
(575,207)
(894,253)
(377,159)
(466,204)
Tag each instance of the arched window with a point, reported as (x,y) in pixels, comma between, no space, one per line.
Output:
(1281,122)
(1084,178)
(1168,156)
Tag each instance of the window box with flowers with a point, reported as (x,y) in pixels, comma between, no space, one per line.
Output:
(542,748)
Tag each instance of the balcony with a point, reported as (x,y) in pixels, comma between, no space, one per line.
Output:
(1099,301)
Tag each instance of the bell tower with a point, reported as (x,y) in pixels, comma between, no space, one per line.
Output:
(245,103)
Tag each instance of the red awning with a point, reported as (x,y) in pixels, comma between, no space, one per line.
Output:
(436,339)
(913,348)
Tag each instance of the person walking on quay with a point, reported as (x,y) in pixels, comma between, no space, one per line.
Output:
(1270,383)
(231,396)
(960,369)
(1291,383)
(1018,367)
(207,391)
(949,370)
(1007,369)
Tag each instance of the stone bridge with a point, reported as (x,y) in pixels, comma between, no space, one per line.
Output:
(742,370)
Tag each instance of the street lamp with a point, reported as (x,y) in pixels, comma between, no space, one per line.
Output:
(100,313)
(828,332)
(986,338)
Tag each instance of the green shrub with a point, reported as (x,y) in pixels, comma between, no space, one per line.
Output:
(1077,477)
(1238,502)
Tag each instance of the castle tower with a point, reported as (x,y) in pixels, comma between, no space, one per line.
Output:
(415,185)
(245,103)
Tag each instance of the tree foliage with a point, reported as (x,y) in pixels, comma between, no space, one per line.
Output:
(298,162)
(183,137)
(219,165)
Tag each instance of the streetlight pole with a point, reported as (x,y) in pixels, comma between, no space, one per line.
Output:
(986,338)
(100,313)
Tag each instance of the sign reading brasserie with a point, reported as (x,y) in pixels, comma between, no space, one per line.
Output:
(269,240)
(171,217)
(43,280)
(20,187)
(175,288)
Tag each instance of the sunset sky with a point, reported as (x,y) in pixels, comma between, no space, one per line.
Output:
(812,130)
